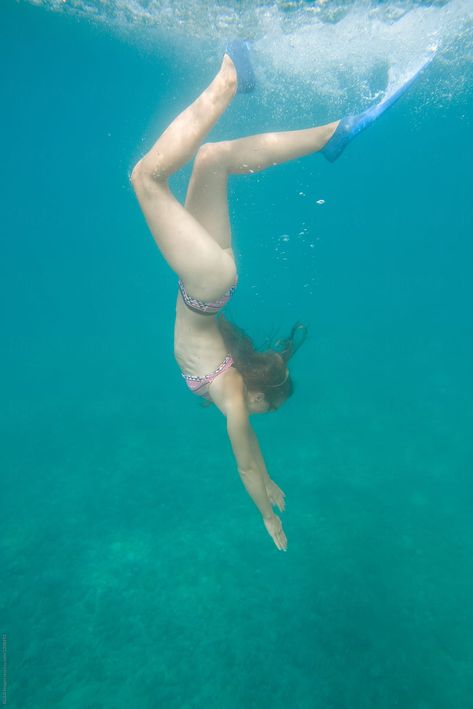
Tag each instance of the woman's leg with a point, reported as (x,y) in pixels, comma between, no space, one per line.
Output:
(257,152)
(188,248)
(207,195)
(207,198)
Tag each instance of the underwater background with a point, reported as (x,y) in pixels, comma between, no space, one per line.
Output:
(135,569)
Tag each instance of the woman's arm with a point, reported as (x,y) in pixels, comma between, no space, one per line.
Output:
(275,494)
(245,449)
(227,394)
(243,440)
(258,456)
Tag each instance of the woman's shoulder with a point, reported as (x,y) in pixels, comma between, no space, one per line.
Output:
(228,391)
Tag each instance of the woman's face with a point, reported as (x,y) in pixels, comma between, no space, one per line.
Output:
(256,402)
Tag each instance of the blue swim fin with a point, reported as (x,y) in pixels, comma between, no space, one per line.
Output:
(239,52)
(350,126)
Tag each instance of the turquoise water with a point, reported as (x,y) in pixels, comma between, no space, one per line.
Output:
(135,569)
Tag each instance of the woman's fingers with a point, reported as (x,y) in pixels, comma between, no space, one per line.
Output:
(275,529)
(281,541)
(276,496)
(279,501)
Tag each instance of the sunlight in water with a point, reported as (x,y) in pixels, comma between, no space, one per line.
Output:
(344,52)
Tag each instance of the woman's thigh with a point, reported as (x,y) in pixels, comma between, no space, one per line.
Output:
(207,195)
(203,265)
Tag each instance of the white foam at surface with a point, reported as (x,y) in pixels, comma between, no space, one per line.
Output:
(342,51)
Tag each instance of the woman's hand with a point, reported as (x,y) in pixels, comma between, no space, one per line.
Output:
(276,495)
(274,526)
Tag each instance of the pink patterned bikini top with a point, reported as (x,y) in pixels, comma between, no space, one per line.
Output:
(200,385)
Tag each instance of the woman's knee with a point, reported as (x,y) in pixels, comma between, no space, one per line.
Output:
(140,174)
(212,156)
(147,172)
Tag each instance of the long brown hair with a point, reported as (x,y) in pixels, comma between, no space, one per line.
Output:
(263,371)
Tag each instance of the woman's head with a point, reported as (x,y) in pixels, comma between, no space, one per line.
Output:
(267,380)
(265,374)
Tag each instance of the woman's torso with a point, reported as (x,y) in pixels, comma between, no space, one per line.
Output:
(198,344)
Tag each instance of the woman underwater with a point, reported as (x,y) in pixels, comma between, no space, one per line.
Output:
(217,360)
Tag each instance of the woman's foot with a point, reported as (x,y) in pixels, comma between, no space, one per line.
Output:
(239,53)
(226,80)
(350,126)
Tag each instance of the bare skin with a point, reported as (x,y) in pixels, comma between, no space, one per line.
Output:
(195,240)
